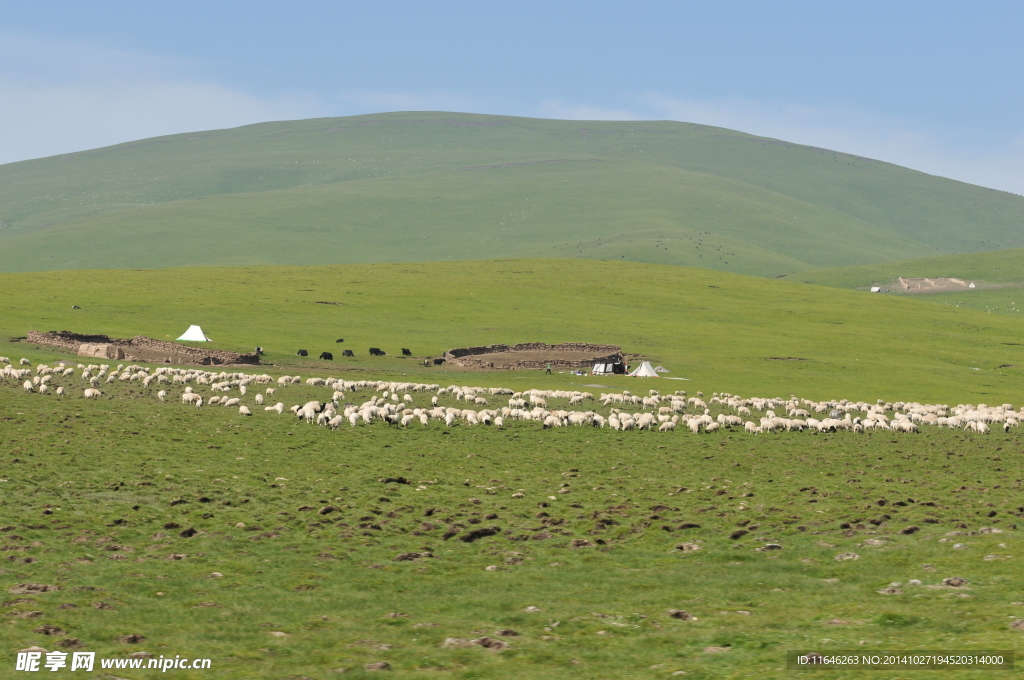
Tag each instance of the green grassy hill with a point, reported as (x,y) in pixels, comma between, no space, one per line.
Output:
(722,331)
(446,186)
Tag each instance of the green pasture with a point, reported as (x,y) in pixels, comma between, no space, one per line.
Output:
(269,545)
(721,331)
(448,186)
(1000,268)
(998,276)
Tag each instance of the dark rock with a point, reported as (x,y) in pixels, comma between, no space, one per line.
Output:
(680,614)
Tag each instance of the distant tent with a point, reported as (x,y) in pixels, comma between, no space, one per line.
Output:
(645,371)
(195,334)
(602,369)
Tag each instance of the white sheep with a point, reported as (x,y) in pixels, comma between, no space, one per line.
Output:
(161,395)
(28,386)
(259,399)
(60,391)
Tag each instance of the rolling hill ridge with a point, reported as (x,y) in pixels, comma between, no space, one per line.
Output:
(448,186)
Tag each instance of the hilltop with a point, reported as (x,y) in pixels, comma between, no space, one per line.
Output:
(449,186)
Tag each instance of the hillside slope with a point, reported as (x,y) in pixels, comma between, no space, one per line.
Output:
(445,186)
(723,331)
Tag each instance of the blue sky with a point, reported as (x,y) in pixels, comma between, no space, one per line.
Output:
(935,86)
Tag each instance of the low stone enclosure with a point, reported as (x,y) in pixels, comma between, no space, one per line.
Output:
(139,348)
(535,355)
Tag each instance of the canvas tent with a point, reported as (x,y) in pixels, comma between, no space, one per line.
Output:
(195,334)
(602,369)
(645,371)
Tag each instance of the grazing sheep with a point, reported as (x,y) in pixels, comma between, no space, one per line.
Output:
(259,399)
(90,393)
(244,411)
(667,426)
(60,391)
(24,362)
(28,386)
(161,395)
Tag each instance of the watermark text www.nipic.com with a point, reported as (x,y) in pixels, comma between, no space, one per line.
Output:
(86,661)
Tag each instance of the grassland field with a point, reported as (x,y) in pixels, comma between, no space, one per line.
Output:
(269,545)
(721,331)
(438,186)
(131,472)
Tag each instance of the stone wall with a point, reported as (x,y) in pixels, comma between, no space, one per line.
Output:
(599,354)
(139,348)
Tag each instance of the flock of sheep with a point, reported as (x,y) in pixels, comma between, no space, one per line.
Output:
(656,411)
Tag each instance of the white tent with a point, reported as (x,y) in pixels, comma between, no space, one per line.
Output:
(602,369)
(645,371)
(195,334)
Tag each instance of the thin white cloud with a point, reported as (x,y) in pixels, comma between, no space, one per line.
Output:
(49,120)
(952,153)
(61,97)
(553,108)
(377,102)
